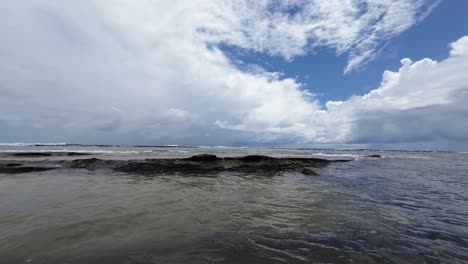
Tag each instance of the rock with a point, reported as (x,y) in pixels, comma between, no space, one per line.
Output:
(156,167)
(11,165)
(76,154)
(256,158)
(204,164)
(310,171)
(203,158)
(375,156)
(32,154)
(211,164)
(21,169)
(85,163)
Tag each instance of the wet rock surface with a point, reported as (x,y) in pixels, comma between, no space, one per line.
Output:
(32,154)
(198,164)
(310,171)
(16,168)
(204,164)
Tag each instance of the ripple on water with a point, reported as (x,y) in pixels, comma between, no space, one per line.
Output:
(394,210)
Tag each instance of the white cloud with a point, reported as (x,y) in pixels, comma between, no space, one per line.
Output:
(147,72)
(293,27)
(425,101)
(460,47)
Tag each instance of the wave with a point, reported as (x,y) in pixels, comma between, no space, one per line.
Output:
(225,147)
(416,157)
(77,151)
(331,155)
(32,144)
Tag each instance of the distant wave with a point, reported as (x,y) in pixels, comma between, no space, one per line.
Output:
(91,151)
(225,147)
(416,157)
(32,144)
(331,155)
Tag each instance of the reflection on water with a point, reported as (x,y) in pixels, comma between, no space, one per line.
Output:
(394,210)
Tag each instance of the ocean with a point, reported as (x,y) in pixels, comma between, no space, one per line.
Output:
(371,207)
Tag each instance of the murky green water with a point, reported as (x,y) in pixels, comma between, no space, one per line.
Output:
(405,208)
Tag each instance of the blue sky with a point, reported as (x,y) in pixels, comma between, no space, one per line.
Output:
(343,73)
(322,71)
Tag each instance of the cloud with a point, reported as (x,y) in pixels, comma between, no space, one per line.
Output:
(424,101)
(460,47)
(126,72)
(294,27)
(151,72)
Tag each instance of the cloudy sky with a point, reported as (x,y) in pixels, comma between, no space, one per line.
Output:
(372,73)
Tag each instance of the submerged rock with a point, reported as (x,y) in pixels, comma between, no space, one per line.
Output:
(196,165)
(374,156)
(32,154)
(15,168)
(203,158)
(310,171)
(76,154)
(211,164)
(11,165)
(256,158)
(92,163)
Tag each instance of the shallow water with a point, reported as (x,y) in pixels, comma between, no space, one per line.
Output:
(409,207)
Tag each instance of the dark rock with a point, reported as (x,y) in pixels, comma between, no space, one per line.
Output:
(76,154)
(375,156)
(11,165)
(21,169)
(211,164)
(256,158)
(310,171)
(32,154)
(169,167)
(85,163)
(203,158)
(204,164)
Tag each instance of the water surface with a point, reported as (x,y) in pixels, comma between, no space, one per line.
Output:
(408,207)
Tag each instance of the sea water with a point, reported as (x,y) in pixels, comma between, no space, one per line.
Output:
(406,207)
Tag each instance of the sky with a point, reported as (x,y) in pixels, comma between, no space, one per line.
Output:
(388,74)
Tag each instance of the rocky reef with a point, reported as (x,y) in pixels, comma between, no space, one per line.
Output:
(195,165)
(16,168)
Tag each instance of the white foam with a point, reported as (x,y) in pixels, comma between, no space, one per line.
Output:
(73,151)
(415,157)
(225,147)
(330,155)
